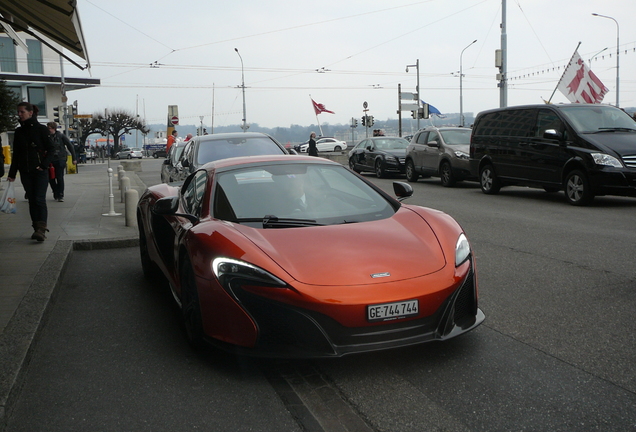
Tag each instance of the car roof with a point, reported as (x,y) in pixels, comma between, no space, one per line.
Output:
(258,160)
(227,135)
(549,106)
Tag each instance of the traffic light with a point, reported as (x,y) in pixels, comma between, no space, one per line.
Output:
(414,113)
(370,121)
(71,115)
(56,113)
(355,122)
(364,120)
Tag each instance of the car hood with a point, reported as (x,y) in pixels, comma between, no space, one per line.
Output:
(623,143)
(401,247)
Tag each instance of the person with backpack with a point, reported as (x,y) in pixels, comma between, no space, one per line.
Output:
(60,144)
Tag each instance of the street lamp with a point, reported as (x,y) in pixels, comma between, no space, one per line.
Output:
(617,54)
(417,89)
(461,77)
(590,60)
(244,126)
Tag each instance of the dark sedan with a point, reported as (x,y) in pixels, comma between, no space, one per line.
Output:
(380,155)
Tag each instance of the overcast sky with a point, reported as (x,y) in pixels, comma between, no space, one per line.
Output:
(342,53)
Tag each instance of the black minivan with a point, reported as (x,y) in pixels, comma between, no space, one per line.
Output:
(584,149)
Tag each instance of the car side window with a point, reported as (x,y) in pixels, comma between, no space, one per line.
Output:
(422,138)
(433,137)
(193,192)
(547,119)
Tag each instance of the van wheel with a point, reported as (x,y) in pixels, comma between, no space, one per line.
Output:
(411,174)
(488,180)
(446,175)
(577,188)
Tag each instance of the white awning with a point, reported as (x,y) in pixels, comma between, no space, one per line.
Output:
(56,20)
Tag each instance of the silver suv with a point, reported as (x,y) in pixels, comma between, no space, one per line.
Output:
(439,151)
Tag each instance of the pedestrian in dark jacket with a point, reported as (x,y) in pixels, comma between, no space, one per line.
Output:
(61,143)
(312,150)
(32,152)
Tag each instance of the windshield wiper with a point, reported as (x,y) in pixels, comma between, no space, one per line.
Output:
(615,129)
(271,221)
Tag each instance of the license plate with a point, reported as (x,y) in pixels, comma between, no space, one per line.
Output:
(392,311)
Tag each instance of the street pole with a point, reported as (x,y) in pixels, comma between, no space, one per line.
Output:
(417,89)
(461,77)
(244,126)
(617,55)
(503,69)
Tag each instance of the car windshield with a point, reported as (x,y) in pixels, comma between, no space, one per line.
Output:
(456,137)
(234,147)
(309,194)
(597,118)
(391,143)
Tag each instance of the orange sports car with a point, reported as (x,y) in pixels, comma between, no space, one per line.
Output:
(295,256)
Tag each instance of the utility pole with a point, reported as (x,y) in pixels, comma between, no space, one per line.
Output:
(503,68)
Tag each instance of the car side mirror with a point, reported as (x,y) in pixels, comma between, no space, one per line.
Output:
(402,190)
(552,134)
(166,162)
(185,163)
(369,148)
(433,144)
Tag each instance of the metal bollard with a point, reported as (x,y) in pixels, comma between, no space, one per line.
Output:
(111,197)
(131,197)
(120,175)
(125,185)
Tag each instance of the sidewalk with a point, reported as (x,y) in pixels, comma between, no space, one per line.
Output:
(30,270)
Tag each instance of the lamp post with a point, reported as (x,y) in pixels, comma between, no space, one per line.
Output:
(617,54)
(590,60)
(244,126)
(417,88)
(461,77)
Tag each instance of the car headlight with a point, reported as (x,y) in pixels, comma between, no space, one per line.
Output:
(228,269)
(461,154)
(462,250)
(390,158)
(607,160)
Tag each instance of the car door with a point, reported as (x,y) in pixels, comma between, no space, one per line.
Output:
(359,154)
(431,153)
(417,150)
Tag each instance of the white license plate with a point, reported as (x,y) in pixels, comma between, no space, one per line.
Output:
(392,311)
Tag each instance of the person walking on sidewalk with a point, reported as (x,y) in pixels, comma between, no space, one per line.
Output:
(32,152)
(60,144)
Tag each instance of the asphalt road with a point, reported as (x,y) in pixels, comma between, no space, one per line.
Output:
(556,353)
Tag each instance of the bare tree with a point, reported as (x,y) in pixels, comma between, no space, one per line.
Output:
(117,124)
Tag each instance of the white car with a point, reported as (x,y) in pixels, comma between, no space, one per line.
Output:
(130,153)
(326,144)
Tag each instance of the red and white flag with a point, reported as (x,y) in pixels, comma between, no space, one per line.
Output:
(579,84)
(320,108)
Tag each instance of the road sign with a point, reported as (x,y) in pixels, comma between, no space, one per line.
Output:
(81,116)
(174,120)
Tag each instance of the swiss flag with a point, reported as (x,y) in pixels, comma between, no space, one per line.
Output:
(579,84)
(320,108)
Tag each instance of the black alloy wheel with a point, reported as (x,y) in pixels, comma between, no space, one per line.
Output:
(411,174)
(446,175)
(190,307)
(379,168)
(352,166)
(577,188)
(488,180)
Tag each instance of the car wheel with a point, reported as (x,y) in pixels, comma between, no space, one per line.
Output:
(577,188)
(411,174)
(129,156)
(337,148)
(446,175)
(190,308)
(117,157)
(379,169)
(488,180)
(352,165)
(155,156)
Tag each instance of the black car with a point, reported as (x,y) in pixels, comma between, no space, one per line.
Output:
(170,168)
(207,148)
(159,153)
(380,155)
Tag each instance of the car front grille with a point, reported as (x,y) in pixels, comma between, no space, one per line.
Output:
(630,161)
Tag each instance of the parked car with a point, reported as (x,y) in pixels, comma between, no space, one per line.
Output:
(129,153)
(439,151)
(159,153)
(583,149)
(380,155)
(170,167)
(325,145)
(90,154)
(228,242)
(207,148)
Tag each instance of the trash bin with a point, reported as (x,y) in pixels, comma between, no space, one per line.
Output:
(6,151)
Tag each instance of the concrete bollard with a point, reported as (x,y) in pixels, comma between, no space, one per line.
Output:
(125,185)
(131,198)
(120,175)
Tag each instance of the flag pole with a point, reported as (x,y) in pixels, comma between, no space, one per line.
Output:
(561,79)
(317,121)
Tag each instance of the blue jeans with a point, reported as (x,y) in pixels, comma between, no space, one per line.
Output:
(35,185)
(57,184)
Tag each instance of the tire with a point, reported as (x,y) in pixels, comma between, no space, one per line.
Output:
(190,307)
(379,169)
(337,148)
(129,156)
(411,174)
(352,166)
(117,157)
(488,180)
(155,155)
(446,175)
(577,188)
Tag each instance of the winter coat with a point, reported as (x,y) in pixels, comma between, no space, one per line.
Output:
(32,148)
(60,141)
